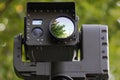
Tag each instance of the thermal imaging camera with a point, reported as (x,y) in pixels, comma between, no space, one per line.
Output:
(56,49)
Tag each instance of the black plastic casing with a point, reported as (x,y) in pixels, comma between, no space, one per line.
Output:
(47,47)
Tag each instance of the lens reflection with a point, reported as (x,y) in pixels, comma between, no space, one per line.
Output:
(62,27)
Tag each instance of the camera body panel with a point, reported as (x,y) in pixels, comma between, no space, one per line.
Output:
(37,17)
(41,12)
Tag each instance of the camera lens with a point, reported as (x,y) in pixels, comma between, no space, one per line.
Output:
(37,32)
(62,27)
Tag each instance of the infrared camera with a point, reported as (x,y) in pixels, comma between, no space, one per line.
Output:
(56,50)
(52,28)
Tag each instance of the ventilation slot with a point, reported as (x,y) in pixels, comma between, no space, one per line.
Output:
(103,31)
(104,43)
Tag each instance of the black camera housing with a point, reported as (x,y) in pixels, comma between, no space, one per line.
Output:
(57,49)
(52,58)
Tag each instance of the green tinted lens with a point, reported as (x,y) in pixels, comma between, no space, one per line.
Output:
(62,27)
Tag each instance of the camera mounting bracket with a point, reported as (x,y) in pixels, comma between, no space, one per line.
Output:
(27,69)
(93,66)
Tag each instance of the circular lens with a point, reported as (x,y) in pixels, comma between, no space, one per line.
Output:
(62,27)
(37,32)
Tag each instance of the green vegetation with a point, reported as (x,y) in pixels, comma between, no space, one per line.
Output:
(12,14)
(58,30)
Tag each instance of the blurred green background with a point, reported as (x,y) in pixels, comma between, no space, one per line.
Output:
(12,14)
